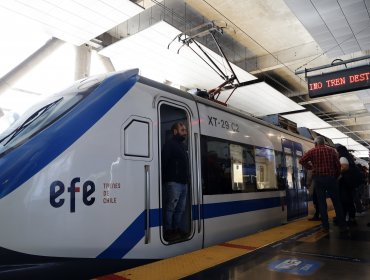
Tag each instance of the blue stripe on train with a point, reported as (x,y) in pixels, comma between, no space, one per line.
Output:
(135,232)
(24,162)
(230,208)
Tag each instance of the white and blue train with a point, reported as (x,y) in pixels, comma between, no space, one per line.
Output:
(80,173)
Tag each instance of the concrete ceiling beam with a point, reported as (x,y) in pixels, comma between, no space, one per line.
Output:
(284,58)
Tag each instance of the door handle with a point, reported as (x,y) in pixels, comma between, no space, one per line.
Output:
(147,203)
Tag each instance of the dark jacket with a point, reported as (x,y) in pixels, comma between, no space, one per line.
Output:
(175,161)
(352,177)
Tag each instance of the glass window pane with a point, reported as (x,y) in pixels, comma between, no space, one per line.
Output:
(301,182)
(227,168)
(216,167)
(280,170)
(289,167)
(136,139)
(237,167)
(265,169)
(249,170)
(243,168)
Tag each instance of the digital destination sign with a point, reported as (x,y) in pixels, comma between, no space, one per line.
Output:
(339,82)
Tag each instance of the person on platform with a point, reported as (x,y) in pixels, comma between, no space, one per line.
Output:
(324,163)
(347,183)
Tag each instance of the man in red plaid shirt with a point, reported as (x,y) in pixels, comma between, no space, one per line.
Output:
(325,166)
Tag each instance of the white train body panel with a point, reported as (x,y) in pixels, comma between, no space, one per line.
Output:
(90,199)
(229,227)
(247,131)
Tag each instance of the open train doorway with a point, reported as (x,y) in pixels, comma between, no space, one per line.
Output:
(180,195)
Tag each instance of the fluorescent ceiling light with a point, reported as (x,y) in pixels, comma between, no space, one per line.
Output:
(332,133)
(260,100)
(361,154)
(147,50)
(340,138)
(307,119)
(348,142)
(74,21)
(358,149)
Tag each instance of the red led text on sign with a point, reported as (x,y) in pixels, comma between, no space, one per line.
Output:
(336,82)
(359,78)
(315,86)
(339,82)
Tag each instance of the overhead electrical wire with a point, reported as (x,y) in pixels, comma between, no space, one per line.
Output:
(277,59)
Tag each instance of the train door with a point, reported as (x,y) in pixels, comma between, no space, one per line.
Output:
(296,192)
(178,224)
(301,181)
(291,192)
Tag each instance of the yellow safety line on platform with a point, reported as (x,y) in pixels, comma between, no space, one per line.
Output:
(188,264)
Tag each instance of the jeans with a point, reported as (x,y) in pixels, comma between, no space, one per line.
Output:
(323,184)
(315,203)
(175,195)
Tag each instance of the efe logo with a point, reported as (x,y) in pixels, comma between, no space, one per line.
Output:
(57,189)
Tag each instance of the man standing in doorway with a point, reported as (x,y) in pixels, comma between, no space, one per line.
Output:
(175,168)
(325,166)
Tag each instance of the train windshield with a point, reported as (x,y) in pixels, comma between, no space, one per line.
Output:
(41,115)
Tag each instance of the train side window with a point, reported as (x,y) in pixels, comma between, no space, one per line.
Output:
(175,172)
(265,169)
(250,169)
(243,168)
(216,166)
(280,170)
(289,167)
(301,182)
(227,168)
(136,136)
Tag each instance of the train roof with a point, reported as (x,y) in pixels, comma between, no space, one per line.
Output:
(211,103)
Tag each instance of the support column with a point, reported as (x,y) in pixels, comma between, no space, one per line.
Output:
(9,79)
(107,62)
(83,62)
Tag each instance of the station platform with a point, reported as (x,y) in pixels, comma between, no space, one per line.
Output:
(297,250)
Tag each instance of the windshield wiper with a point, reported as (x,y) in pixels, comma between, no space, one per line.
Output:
(28,121)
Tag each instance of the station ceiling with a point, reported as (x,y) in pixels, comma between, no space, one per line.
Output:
(267,40)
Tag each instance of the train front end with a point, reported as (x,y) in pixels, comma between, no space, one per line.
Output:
(55,162)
